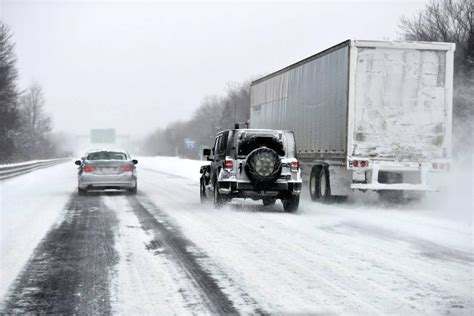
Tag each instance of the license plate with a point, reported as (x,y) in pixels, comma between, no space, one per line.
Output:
(108,169)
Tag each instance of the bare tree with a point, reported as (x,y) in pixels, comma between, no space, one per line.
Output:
(444,21)
(214,114)
(35,121)
(451,21)
(9,121)
(236,104)
(33,140)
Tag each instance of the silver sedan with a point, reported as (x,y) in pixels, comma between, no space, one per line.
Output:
(107,169)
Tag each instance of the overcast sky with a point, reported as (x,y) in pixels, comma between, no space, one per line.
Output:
(138,66)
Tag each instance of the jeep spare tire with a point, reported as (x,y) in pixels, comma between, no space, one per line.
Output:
(263,166)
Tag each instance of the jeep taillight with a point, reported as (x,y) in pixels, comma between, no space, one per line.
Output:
(294,166)
(228,164)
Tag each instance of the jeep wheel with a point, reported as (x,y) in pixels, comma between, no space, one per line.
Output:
(291,204)
(202,192)
(219,199)
(268,202)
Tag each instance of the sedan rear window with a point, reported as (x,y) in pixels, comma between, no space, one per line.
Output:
(107,155)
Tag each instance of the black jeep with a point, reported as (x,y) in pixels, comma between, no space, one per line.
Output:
(252,163)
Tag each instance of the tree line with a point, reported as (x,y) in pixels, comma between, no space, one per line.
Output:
(25,128)
(440,21)
(215,113)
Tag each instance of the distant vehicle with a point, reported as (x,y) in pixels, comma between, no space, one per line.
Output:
(107,169)
(367,115)
(252,163)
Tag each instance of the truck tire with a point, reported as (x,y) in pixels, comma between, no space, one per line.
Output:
(219,199)
(324,186)
(81,192)
(263,166)
(291,203)
(313,183)
(391,196)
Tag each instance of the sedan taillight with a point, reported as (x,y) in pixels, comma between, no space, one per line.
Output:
(89,168)
(126,168)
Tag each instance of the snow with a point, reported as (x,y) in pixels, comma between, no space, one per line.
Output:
(357,257)
(27,163)
(144,284)
(173,166)
(29,205)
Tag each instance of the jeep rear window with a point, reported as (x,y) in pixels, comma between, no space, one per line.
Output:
(248,142)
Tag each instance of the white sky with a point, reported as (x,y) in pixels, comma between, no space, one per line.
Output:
(136,66)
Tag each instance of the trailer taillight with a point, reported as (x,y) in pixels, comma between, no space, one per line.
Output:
(359,163)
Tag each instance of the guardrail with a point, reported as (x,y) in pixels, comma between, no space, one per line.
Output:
(9,171)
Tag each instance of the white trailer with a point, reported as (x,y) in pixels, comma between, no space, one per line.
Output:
(367,115)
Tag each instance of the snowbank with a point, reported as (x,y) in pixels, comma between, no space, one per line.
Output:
(29,205)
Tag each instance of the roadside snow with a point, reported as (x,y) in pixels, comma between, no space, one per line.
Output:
(29,205)
(358,257)
(26,163)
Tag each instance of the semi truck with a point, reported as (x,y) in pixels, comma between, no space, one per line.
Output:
(367,115)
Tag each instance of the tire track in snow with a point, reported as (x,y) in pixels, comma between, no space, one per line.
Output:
(70,270)
(169,239)
(423,286)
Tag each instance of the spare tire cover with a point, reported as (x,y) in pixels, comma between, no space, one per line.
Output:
(263,166)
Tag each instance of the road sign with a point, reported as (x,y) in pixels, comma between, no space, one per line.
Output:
(189,144)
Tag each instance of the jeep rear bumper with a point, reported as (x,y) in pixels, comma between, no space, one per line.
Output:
(248,189)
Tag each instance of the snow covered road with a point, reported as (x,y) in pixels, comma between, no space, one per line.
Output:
(162,252)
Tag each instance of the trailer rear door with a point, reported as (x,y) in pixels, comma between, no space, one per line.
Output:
(401,100)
